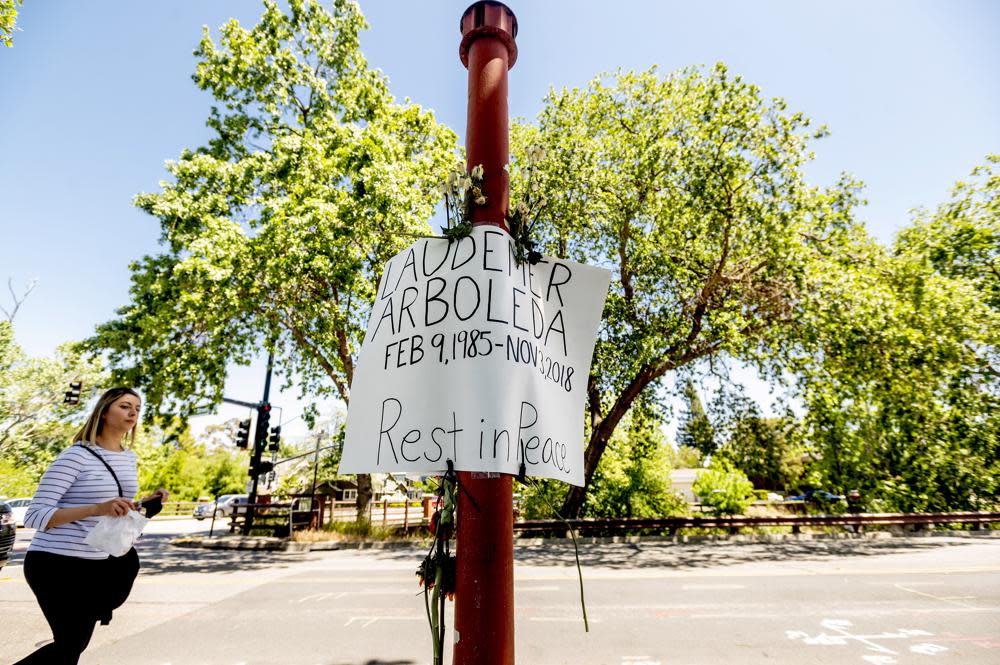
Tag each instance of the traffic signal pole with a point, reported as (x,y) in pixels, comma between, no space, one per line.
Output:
(259,441)
(484,593)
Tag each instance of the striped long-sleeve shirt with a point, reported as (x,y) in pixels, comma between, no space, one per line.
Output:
(77,478)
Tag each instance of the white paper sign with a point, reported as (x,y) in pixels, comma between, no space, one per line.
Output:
(472,358)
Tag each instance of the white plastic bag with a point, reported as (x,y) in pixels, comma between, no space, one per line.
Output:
(115,535)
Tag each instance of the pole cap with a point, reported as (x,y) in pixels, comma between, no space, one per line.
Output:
(488,18)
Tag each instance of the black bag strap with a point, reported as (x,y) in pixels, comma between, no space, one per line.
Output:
(105,463)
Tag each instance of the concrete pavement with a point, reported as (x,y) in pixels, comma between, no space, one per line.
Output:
(919,600)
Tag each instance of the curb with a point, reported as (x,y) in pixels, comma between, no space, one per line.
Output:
(272,544)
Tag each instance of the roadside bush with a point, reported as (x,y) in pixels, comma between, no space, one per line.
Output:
(725,490)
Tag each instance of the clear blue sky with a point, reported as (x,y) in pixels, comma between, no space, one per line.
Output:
(95,96)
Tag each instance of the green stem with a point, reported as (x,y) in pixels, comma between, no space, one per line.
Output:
(576,552)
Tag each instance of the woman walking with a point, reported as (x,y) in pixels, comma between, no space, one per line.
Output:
(76,584)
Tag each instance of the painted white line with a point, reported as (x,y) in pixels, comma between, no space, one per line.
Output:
(369,620)
(950,599)
(316,596)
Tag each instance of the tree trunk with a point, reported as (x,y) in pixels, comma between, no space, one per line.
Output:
(364,496)
(601,435)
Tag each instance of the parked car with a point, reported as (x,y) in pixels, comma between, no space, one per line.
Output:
(7,532)
(224,507)
(20,508)
(817,496)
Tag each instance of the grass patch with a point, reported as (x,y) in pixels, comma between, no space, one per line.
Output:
(358,532)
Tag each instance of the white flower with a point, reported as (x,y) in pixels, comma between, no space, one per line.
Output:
(481,200)
(536,153)
(477,171)
(522,208)
(443,188)
(465,183)
(506,168)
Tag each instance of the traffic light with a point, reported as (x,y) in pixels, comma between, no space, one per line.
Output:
(261,468)
(73,394)
(263,419)
(275,441)
(243,434)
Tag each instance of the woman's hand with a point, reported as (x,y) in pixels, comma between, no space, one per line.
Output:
(117,507)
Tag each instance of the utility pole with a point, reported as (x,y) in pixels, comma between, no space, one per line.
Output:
(312,496)
(484,593)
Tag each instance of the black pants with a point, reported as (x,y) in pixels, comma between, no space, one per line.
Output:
(74,595)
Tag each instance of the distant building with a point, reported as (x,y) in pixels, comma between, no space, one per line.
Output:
(681,481)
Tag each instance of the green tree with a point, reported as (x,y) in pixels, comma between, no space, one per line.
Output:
(274,233)
(8,20)
(226,473)
(187,468)
(684,457)
(768,450)
(690,187)
(961,239)
(897,366)
(725,490)
(696,429)
(35,423)
(633,479)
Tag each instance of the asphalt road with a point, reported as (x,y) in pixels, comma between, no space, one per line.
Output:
(932,600)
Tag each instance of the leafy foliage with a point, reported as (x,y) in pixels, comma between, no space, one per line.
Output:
(633,479)
(768,450)
(35,424)
(274,233)
(726,490)
(961,239)
(897,367)
(188,469)
(684,457)
(696,429)
(8,21)
(689,187)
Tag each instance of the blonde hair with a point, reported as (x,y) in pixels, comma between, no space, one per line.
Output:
(95,423)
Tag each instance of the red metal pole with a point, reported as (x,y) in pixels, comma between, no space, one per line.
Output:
(484,593)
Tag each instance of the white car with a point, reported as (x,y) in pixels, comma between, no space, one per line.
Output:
(19,507)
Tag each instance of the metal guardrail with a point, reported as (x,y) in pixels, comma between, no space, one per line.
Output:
(285,517)
(672,524)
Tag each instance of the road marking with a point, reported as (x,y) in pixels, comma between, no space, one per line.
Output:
(316,596)
(369,620)
(319,597)
(840,635)
(954,600)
